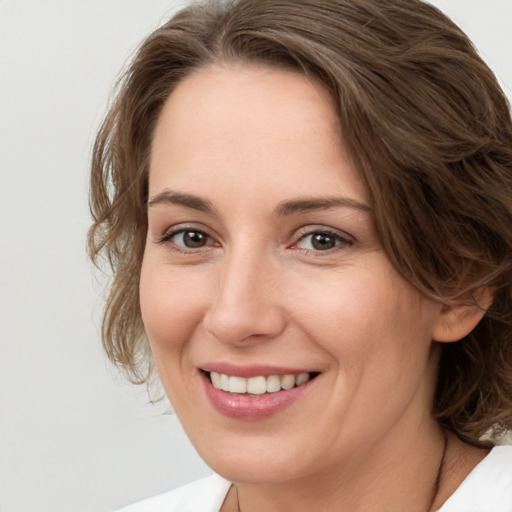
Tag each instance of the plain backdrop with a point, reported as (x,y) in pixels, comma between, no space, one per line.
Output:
(73,436)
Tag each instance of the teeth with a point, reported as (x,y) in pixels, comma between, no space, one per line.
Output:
(287,381)
(302,378)
(224,382)
(216,381)
(273,384)
(257,385)
(237,385)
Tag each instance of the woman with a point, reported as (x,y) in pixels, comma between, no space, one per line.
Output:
(307,206)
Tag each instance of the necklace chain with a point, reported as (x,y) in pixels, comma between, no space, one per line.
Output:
(437,483)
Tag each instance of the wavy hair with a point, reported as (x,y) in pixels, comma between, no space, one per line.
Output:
(430,133)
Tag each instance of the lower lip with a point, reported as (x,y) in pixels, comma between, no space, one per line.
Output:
(253,407)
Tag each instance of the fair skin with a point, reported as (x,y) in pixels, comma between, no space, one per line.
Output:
(262,258)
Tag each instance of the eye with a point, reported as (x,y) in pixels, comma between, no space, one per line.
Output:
(187,238)
(321,240)
(191,239)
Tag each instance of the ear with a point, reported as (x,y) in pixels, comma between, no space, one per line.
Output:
(458,320)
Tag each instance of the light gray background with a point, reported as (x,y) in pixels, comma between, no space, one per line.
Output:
(73,437)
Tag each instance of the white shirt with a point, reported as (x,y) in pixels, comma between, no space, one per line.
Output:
(488,488)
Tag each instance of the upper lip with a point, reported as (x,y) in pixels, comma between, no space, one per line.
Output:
(253,370)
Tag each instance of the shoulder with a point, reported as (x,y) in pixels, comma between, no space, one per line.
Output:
(488,487)
(205,495)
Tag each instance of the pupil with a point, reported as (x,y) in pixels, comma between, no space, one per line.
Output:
(322,241)
(194,239)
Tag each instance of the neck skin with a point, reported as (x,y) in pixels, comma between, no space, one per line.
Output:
(460,460)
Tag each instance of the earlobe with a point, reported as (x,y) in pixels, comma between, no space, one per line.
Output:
(458,320)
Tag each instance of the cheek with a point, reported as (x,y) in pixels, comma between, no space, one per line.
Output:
(340,311)
(367,316)
(171,312)
(170,307)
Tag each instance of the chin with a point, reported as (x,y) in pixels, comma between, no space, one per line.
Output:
(254,471)
(255,461)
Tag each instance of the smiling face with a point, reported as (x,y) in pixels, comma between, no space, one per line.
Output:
(262,263)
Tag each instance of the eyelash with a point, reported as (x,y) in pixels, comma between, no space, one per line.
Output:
(169,235)
(340,240)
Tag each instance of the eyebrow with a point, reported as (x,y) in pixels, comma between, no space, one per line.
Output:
(181,199)
(308,204)
(299,205)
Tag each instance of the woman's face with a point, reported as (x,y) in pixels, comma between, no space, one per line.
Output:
(262,261)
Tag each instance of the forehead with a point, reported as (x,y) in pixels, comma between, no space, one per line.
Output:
(251,125)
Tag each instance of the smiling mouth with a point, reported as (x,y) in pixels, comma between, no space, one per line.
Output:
(258,385)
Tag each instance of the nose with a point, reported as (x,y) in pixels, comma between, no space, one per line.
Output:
(245,308)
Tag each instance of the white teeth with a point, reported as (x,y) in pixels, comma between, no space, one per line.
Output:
(287,381)
(257,385)
(216,380)
(302,378)
(273,384)
(224,382)
(237,385)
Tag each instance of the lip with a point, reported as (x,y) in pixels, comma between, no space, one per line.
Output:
(252,407)
(252,370)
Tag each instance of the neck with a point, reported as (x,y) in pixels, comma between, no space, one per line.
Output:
(403,479)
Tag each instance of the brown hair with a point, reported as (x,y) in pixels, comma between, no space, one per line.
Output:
(429,130)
